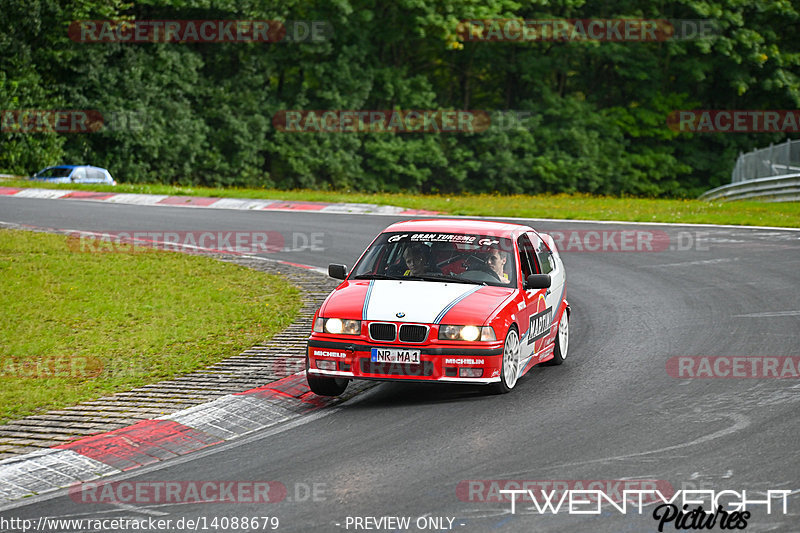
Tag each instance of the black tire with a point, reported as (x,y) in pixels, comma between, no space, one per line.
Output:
(505,385)
(560,352)
(322,386)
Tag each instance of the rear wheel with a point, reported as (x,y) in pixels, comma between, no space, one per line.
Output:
(510,366)
(562,341)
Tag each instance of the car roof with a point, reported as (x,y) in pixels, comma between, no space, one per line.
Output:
(458,225)
(72,166)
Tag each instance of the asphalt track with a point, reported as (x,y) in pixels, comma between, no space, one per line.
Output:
(611,412)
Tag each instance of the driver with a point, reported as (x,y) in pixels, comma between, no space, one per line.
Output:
(418,260)
(497,262)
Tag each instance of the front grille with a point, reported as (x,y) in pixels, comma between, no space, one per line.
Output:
(382,331)
(413,333)
(396,369)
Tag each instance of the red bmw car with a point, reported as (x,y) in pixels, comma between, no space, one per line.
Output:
(456,301)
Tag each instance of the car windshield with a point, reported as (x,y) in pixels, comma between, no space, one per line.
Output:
(55,172)
(440,257)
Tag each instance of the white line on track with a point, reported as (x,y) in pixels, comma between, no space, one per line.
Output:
(740,422)
(769,314)
(691,263)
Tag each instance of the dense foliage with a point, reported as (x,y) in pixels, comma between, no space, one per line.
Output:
(588,116)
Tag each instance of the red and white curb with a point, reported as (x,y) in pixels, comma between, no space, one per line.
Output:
(150,441)
(212,203)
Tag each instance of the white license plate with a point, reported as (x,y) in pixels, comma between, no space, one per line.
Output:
(395,355)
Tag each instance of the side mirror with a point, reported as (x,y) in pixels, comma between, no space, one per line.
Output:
(340,271)
(537,281)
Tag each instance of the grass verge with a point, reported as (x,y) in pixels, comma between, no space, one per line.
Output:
(80,325)
(576,206)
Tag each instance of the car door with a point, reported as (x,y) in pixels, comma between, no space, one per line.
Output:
(78,175)
(549,264)
(532,316)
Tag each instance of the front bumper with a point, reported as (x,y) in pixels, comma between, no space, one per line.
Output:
(437,363)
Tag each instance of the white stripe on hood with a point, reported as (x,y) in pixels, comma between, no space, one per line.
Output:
(421,301)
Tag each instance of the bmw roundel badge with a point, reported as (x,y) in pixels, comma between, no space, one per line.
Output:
(400,314)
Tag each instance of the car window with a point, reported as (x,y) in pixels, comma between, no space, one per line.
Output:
(79,174)
(527,260)
(543,255)
(95,174)
(458,257)
(55,172)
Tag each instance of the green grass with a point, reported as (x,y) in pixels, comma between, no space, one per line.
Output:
(76,326)
(575,206)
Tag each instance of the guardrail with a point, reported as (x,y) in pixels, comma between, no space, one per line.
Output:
(773,189)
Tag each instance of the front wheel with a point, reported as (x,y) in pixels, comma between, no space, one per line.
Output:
(562,341)
(323,386)
(510,365)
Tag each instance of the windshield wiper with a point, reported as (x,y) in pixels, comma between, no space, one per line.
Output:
(376,276)
(442,278)
(447,279)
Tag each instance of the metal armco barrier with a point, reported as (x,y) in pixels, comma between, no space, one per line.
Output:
(773,189)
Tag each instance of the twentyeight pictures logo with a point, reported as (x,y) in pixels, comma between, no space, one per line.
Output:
(683,508)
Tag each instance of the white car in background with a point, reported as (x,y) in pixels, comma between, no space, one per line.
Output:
(74,174)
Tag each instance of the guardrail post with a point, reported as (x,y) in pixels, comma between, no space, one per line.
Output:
(771,161)
(787,159)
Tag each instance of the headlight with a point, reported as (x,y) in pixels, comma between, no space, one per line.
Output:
(337,326)
(466,333)
(470,333)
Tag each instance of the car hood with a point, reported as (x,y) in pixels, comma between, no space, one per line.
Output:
(415,301)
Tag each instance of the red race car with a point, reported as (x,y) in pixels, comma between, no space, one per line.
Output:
(456,301)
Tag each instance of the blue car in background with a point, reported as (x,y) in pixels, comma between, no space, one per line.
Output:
(74,174)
